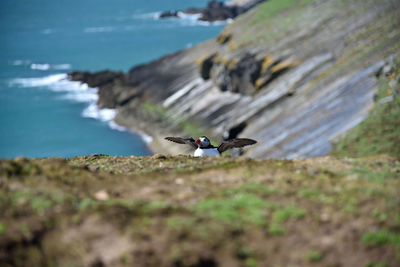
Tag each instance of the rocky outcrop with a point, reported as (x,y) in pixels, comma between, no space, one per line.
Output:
(216,11)
(292,77)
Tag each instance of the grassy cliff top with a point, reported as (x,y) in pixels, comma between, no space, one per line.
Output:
(183,211)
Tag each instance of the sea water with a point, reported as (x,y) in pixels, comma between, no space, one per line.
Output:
(44,115)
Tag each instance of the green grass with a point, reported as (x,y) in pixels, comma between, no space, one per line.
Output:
(288,212)
(382,237)
(276,229)
(376,264)
(40,203)
(379,215)
(379,133)
(252,187)
(375,176)
(272,7)
(239,209)
(243,206)
(153,109)
(314,256)
(86,203)
(177,222)
(3,228)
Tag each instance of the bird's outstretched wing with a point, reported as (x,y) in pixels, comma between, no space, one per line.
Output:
(237,142)
(180,140)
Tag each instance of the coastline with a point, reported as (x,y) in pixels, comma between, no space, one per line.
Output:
(293,99)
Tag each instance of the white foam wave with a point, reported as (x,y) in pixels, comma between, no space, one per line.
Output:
(75,91)
(46,66)
(151,15)
(183,18)
(192,17)
(41,66)
(98,29)
(20,62)
(145,137)
(87,96)
(93,111)
(193,20)
(117,127)
(79,92)
(37,82)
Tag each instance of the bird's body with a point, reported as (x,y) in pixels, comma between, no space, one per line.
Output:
(204,148)
(206,152)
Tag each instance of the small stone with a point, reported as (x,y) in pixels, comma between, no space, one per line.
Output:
(313,171)
(15,186)
(179,181)
(93,168)
(158,156)
(392,83)
(386,99)
(324,217)
(387,70)
(352,177)
(102,195)
(327,241)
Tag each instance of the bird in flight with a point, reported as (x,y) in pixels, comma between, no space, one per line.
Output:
(204,148)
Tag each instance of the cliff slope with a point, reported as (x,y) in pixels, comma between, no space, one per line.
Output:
(291,74)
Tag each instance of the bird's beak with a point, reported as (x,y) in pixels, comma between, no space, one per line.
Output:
(197,141)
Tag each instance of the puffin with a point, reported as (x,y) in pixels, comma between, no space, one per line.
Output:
(204,148)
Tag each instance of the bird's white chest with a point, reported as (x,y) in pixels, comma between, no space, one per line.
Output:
(210,152)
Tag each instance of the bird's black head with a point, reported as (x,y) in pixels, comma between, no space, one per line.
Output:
(203,141)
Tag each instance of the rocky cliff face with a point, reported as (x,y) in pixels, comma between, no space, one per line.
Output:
(291,74)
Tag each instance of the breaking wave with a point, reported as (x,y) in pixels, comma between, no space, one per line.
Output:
(40,66)
(74,91)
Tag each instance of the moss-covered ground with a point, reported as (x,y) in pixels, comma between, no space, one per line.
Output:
(183,211)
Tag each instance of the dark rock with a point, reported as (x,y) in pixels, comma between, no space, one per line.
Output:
(158,156)
(218,11)
(215,11)
(95,79)
(223,38)
(238,76)
(193,11)
(168,14)
(205,67)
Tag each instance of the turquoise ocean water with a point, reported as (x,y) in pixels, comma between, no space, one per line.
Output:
(42,114)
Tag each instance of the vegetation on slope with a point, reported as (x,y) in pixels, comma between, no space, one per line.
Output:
(184,211)
(380,131)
